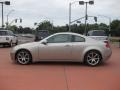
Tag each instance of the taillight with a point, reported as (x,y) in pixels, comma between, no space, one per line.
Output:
(107,44)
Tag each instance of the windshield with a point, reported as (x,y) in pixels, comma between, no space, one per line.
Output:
(3,33)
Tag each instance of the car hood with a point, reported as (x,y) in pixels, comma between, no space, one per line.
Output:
(27,45)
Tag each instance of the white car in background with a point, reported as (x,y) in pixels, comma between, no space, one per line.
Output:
(8,38)
(99,35)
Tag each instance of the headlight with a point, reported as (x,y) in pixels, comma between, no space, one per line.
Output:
(7,38)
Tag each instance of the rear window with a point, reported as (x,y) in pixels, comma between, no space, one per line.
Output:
(3,33)
(98,33)
(77,39)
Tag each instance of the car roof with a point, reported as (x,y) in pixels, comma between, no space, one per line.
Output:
(67,33)
(71,33)
(42,30)
(96,30)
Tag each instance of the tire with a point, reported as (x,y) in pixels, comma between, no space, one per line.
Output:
(3,45)
(93,58)
(23,57)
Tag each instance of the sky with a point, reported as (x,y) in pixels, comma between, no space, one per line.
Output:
(57,11)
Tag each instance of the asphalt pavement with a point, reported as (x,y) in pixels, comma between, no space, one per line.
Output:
(59,76)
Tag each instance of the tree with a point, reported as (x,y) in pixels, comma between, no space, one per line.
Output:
(115,28)
(115,24)
(45,25)
(14,28)
(27,30)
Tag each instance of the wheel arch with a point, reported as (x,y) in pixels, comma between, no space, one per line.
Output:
(88,50)
(25,50)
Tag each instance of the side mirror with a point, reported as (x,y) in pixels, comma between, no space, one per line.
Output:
(44,42)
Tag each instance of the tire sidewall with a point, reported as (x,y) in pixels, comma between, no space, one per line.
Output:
(30,60)
(86,61)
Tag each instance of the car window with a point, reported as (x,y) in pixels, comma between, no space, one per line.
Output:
(10,33)
(3,33)
(61,38)
(77,39)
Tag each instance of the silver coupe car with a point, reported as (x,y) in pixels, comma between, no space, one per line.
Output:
(64,46)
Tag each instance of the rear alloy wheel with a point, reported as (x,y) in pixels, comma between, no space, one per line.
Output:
(23,57)
(93,58)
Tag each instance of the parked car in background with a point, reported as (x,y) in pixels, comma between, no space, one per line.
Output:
(8,38)
(98,35)
(41,34)
(65,46)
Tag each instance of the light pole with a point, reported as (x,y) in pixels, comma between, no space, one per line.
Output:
(16,20)
(6,3)
(70,4)
(77,20)
(7,23)
(86,15)
(109,18)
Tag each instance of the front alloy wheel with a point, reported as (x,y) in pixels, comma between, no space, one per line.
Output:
(93,58)
(23,57)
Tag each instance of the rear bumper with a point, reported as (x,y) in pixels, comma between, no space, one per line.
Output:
(107,55)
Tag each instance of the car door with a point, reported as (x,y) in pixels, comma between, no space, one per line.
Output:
(58,47)
(78,44)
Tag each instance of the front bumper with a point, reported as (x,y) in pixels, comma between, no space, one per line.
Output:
(4,43)
(12,54)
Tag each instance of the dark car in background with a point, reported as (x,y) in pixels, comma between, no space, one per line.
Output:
(41,34)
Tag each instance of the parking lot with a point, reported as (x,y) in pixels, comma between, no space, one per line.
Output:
(59,76)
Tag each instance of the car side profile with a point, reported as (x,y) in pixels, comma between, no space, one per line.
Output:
(65,46)
(8,38)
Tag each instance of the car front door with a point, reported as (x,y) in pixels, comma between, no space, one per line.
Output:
(78,44)
(58,47)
